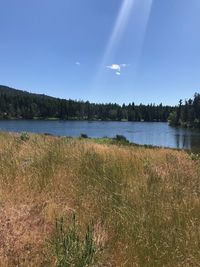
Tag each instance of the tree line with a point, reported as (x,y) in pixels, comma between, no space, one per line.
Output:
(17,104)
(187,114)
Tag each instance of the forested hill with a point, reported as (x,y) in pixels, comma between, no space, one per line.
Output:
(17,104)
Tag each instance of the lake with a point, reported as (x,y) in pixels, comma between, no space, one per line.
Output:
(149,133)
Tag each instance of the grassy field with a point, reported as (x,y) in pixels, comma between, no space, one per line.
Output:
(80,202)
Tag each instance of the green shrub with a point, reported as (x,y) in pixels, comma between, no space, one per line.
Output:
(84,135)
(24,136)
(121,138)
(69,248)
(195,156)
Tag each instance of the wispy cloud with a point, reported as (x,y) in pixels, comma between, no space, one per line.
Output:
(78,63)
(114,67)
(125,65)
(117,68)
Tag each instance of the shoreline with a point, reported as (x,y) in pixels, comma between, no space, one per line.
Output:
(121,141)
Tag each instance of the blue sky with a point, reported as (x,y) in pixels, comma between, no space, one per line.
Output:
(102,50)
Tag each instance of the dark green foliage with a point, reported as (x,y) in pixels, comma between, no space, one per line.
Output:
(121,138)
(173,118)
(187,115)
(23,105)
(195,156)
(24,136)
(84,135)
(69,248)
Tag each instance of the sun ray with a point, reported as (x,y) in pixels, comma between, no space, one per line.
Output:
(144,21)
(125,12)
(119,27)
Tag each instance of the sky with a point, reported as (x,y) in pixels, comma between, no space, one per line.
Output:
(120,51)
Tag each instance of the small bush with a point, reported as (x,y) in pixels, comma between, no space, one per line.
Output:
(195,156)
(121,138)
(84,135)
(24,136)
(48,134)
(69,248)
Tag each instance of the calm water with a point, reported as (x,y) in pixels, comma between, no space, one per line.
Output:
(157,133)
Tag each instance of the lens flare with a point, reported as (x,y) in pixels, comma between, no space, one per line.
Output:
(119,27)
(128,8)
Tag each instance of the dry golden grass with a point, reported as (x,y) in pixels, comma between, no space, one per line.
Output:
(144,203)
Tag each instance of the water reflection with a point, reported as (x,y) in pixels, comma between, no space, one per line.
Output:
(187,139)
(183,141)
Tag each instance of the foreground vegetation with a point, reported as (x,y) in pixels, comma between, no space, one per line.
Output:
(80,202)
